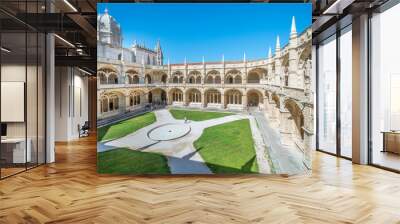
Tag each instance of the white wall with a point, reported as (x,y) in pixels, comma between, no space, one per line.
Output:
(71,103)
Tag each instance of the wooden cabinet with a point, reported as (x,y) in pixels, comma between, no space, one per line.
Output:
(391,142)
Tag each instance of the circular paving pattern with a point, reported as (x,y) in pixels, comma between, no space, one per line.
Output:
(168,132)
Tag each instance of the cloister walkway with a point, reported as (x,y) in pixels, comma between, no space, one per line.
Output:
(284,159)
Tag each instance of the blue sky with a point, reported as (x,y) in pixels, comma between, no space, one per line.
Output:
(209,30)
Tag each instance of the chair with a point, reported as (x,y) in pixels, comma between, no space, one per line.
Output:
(84,130)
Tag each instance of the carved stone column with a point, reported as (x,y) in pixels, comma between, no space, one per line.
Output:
(222,101)
(184,98)
(285,120)
(169,98)
(285,127)
(203,104)
(244,101)
(266,103)
(127,102)
(99,104)
(308,113)
(272,109)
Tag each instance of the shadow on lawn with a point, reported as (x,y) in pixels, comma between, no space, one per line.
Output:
(220,169)
(151,168)
(190,155)
(101,132)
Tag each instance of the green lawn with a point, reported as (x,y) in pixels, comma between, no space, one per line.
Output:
(196,115)
(125,127)
(126,161)
(228,148)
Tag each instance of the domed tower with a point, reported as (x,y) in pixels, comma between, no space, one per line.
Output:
(108,30)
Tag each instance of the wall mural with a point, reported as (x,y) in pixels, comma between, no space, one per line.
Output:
(249,115)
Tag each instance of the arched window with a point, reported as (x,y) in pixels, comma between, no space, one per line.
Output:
(177,96)
(131,99)
(102,77)
(238,79)
(253,77)
(113,103)
(164,79)
(213,96)
(112,78)
(129,77)
(148,79)
(135,79)
(210,79)
(234,97)
(137,99)
(217,79)
(194,96)
(134,99)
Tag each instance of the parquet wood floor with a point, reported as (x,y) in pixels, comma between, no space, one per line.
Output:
(70,191)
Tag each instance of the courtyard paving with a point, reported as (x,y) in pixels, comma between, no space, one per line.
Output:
(287,160)
(181,154)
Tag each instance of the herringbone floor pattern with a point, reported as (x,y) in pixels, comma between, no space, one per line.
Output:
(70,191)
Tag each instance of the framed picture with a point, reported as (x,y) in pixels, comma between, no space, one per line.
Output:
(204,88)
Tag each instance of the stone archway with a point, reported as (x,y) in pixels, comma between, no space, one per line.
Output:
(108,75)
(253,77)
(177,77)
(157,96)
(238,79)
(135,98)
(217,79)
(102,77)
(164,78)
(112,78)
(147,79)
(191,80)
(233,99)
(193,98)
(256,74)
(111,103)
(210,79)
(175,97)
(229,80)
(254,98)
(213,98)
(275,106)
(276,99)
(213,76)
(297,118)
